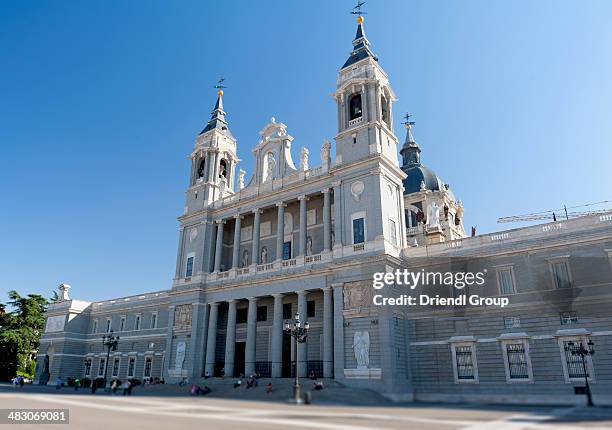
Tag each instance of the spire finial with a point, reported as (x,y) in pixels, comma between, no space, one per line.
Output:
(220,86)
(357,11)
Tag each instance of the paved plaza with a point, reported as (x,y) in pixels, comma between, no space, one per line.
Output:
(149,410)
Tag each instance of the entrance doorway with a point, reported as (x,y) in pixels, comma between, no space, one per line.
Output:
(239,358)
(287,363)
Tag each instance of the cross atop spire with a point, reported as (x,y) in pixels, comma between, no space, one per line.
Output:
(357,11)
(410,150)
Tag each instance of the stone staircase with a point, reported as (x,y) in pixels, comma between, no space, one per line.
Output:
(333,393)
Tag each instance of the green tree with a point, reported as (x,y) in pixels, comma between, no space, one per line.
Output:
(20,332)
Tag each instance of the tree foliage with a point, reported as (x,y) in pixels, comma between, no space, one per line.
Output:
(20,330)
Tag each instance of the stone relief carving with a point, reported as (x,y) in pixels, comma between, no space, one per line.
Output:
(182,316)
(361,347)
(193,233)
(357,295)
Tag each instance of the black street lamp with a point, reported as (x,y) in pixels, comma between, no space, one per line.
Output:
(582,351)
(110,342)
(299,332)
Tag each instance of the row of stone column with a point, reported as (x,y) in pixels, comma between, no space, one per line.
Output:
(277,336)
(280,229)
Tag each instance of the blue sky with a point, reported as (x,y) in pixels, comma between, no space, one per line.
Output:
(100,103)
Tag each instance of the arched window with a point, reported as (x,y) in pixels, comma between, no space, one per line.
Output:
(201,168)
(355,110)
(384,107)
(223,169)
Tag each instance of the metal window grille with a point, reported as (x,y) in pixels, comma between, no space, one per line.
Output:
(264,368)
(465,363)
(148,364)
(131,365)
(575,367)
(101,366)
(512,322)
(561,274)
(517,361)
(568,318)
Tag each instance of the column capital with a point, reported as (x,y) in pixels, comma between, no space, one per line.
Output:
(220,221)
(336,183)
(277,295)
(256,211)
(304,197)
(232,301)
(237,216)
(281,204)
(302,292)
(326,190)
(327,288)
(252,299)
(214,304)
(337,285)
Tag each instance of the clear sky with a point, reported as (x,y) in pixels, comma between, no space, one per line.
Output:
(100,103)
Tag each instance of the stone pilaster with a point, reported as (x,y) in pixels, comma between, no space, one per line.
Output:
(230,339)
(251,339)
(277,337)
(211,340)
(328,333)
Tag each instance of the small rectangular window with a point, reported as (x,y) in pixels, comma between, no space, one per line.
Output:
(154,321)
(310,308)
(287,311)
(94,329)
(561,276)
(242,315)
(122,324)
(568,318)
(131,367)
(358,231)
(88,367)
(108,325)
(137,323)
(505,280)
(262,313)
(189,269)
(517,361)
(116,367)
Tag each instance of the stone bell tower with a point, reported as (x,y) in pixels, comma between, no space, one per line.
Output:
(364,98)
(214,159)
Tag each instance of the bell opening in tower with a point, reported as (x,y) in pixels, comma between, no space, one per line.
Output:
(355,107)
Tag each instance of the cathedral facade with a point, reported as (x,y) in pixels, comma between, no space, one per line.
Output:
(308,240)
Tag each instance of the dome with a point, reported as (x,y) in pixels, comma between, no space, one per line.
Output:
(416,175)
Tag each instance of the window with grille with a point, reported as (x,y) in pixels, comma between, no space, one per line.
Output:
(87,367)
(122,324)
(506,281)
(154,321)
(517,361)
(131,367)
(95,327)
(465,362)
(148,366)
(108,325)
(137,323)
(116,367)
(575,367)
(561,276)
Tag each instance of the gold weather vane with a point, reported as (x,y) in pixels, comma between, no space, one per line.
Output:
(357,11)
(220,86)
